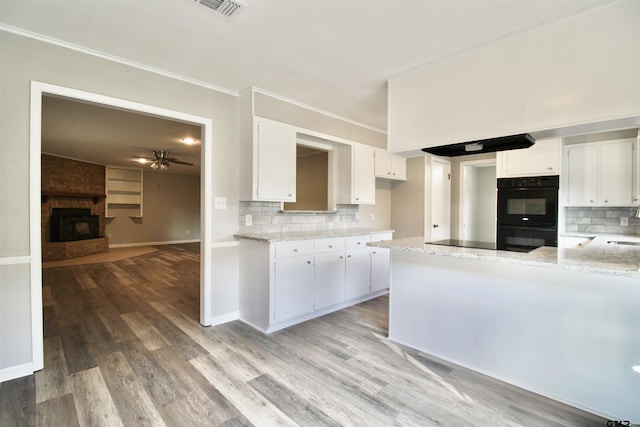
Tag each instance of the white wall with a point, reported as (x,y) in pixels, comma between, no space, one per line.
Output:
(485,208)
(580,70)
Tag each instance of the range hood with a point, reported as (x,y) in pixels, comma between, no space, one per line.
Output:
(503,143)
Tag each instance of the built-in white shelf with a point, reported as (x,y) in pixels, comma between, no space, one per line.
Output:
(124,191)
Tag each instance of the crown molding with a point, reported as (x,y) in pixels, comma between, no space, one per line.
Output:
(164,73)
(113,58)
(317,110)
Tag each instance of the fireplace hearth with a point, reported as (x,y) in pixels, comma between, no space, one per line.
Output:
(71,224)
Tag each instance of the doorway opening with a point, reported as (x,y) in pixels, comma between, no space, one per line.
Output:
(478,201)
(38,90)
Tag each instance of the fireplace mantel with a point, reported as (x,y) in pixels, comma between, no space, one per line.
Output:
(96,197)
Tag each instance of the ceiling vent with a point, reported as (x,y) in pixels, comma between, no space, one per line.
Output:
(227,8)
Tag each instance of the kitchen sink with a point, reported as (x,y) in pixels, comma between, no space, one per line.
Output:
(622,242)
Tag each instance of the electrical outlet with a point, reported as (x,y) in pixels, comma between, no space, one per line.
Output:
(372,217)
(248,220)
(624,221)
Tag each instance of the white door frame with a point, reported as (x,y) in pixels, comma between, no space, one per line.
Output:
(461,202)
(430,225)
(38,89)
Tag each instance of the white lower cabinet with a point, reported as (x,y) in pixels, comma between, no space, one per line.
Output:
(358,273)
(380,264)
(293,288)
(284,283)
(329,279)
(380,269)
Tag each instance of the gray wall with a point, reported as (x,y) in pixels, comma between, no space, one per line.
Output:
(24,60)
(279,110)
(171,212)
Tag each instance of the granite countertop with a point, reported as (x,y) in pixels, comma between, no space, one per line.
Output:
(308,235)
(596,256)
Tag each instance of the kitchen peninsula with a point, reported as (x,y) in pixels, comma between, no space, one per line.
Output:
(564,323)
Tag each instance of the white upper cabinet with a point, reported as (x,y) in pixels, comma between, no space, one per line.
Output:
(542,158)
(600,173)
(616,173)
(356,178)
(581,175)
(390,167)
(636,169)
(364,183)
(273,171)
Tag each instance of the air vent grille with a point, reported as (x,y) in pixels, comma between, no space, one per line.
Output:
(227,8)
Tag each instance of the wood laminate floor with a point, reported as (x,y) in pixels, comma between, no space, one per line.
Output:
(123,346)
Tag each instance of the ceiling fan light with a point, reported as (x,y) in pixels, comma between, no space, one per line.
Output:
(154,165)
(164,166)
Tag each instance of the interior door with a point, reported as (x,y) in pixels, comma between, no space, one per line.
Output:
(440,199)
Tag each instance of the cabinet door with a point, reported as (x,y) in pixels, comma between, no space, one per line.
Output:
(543,158)
(399,168)
(358,273)
(582,175)
(293,288)
(388,166)
(329,279)
(382,165)
(363,177)
(380,269)
(616,163)
(276,162)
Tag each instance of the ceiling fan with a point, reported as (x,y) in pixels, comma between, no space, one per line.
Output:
(161,160)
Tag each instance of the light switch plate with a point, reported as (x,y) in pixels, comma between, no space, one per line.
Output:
(248,220)
(220,202)
(624,221)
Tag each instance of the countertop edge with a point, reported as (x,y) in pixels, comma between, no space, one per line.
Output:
(309,235)
(555,257)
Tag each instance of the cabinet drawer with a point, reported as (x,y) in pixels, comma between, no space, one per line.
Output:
(294,248)
(329,245)
(356,242)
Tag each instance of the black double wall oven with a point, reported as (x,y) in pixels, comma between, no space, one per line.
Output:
(527,213)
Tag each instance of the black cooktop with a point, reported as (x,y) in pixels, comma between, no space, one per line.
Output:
(464,243)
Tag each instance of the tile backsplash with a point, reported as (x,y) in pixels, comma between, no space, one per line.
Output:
(267,217)
(601,220)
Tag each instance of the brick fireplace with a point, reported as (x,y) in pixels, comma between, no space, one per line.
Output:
(72,184)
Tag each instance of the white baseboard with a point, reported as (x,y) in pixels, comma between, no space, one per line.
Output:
(14,372)
(172,242)
(225,318)
(14,260)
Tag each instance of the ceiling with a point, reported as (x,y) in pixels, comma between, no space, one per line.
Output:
(110,136)
(333,55)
